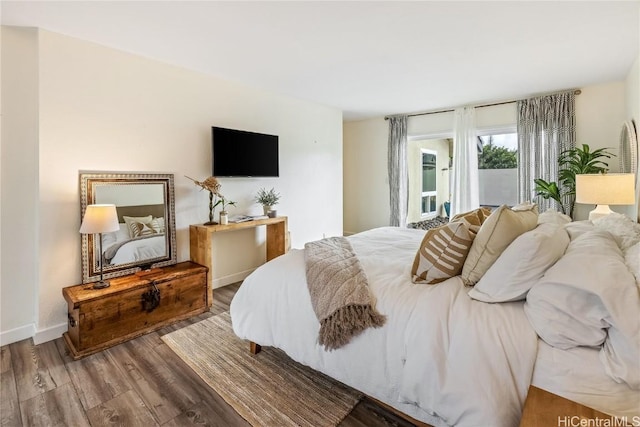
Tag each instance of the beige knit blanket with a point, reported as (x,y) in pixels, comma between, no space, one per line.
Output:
(339,292)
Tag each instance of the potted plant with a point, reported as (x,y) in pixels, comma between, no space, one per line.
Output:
(572,162)
(268,199)
(224,215)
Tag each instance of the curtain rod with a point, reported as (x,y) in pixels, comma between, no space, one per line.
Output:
(575,92)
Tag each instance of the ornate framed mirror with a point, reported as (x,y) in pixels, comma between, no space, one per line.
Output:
(146,238)
(628,148)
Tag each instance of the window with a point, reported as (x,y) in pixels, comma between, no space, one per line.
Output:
(498,168)
(429,188)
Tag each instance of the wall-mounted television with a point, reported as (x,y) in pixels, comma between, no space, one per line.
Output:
(238,153)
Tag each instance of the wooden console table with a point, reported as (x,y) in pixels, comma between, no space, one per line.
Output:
(201,239)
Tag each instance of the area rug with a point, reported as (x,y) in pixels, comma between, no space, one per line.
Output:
(267,389)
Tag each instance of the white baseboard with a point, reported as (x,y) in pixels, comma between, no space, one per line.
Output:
(17,334)
(28,331)
(49,334)
(232,278)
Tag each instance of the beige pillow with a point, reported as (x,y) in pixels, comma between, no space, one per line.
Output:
(496,233)
(157,225)
(442,253)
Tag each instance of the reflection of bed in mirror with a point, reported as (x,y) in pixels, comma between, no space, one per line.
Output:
(141,235)
(146,210)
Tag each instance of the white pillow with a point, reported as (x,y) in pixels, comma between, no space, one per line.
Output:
(522,264)
(578,228)
(554,217)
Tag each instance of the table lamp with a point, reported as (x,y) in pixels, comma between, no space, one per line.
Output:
(603,190)
(100,219)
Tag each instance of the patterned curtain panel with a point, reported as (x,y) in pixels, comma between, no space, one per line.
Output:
(546,127)
(465,194)
(398,170)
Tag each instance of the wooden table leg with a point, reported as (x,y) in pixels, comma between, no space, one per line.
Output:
(254,348)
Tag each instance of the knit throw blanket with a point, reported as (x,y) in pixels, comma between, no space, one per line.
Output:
(339,292)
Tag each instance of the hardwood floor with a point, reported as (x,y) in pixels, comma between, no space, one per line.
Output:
(138,383)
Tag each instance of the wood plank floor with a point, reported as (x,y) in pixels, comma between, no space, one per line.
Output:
(138,383)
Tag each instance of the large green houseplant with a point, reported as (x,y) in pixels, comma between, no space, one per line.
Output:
(572,162)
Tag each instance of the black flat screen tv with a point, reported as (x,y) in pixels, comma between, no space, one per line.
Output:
(238,153)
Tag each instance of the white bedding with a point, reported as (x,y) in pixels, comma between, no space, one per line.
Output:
(441,357)
(133,250)
(578,374)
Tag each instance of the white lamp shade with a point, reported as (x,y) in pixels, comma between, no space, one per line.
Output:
(100,219)
(606,189)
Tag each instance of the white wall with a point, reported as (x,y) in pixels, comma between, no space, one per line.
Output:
(366,183)
(600,111)
(102,109)
(19,166)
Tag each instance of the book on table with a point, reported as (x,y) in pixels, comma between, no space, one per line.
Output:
(244,218)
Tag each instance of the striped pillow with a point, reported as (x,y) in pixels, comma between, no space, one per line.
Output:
(138,229)
(442,252)
(473,218)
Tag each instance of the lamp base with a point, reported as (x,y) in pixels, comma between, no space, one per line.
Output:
(101,284)
(599,212)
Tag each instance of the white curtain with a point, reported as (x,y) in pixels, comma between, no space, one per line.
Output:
(465,194)
(398,171)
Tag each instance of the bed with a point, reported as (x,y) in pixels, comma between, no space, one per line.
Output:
(444,357)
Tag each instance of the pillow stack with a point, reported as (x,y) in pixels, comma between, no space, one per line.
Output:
(522,264)
(495,235)
(444,250)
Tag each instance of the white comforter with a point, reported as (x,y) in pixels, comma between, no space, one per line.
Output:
(441,357)
(140,250)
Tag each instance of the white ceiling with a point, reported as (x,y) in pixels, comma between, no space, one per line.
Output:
(366,58)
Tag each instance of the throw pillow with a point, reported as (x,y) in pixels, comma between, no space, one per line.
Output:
(157,225)
(497,232)
(442,253)
(522,264)
(132,219)
(139,229)
(475,217)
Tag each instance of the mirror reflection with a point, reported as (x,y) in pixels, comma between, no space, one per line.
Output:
(146,234)
(141,216)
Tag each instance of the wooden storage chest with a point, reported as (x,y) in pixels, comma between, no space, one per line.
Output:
(101,318)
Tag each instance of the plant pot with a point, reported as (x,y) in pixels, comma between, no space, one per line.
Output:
(272,213)
(224,218)
(266,209)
